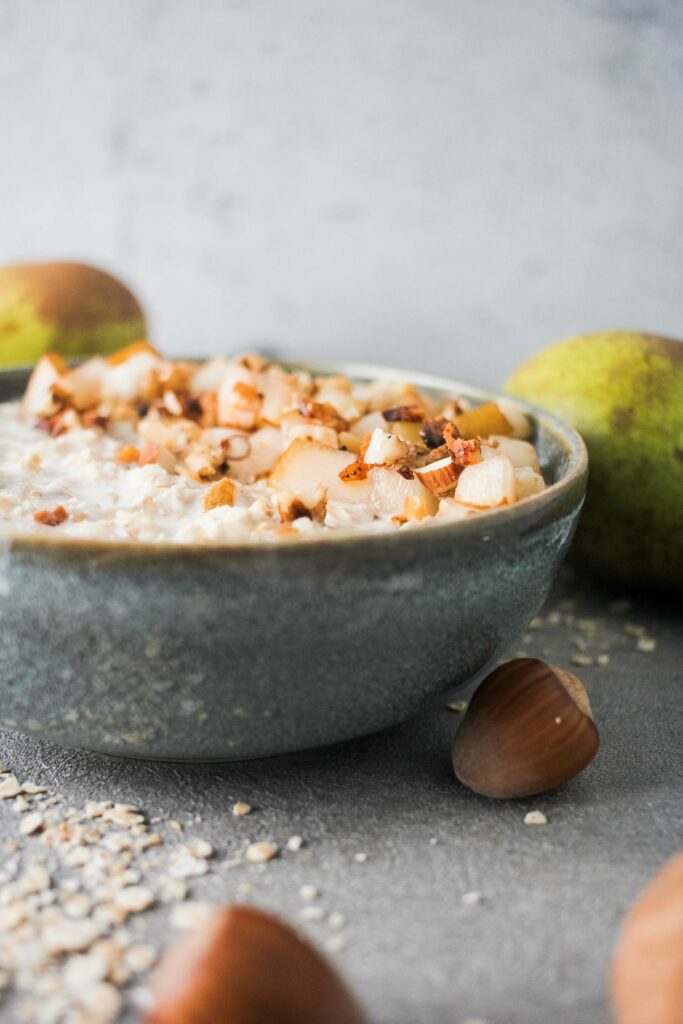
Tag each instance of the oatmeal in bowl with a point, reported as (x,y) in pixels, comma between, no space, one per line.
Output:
(229,451)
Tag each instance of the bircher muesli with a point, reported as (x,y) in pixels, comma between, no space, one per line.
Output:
(136,447)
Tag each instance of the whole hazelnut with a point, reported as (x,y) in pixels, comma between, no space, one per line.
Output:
(528,729)
(247,967)
(647,971)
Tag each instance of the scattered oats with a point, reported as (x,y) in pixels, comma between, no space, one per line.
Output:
(535,818)
(240,809)
(102,1000)
(85,968)
(259,853)
(76,905)
(9,787)
(457,705)
(174,825)
(147,840)
(336,943)
(580,643)
(188,867)
(12,916)
(360,858)
(631,629)
(602,660)
(336,921)
(172,890)
(536,623)
(36,878)
(142,999)
(619,607)
(65,936)
(140,957)
(199,848)
(554,619)
(470,899)
(311,913)
(123,814)
(31,823)
(233,862)
(587,625)
(309,892)
(32,789)
(191,915)
(646,644)
(295,843)
(581,659)
(434,841)
(134,898)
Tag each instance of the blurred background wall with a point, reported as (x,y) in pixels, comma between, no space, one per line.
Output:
(446,184)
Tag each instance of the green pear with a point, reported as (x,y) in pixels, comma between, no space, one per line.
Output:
(623,391)
(69,308)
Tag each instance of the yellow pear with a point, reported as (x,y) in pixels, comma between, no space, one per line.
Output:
(623,391)
(69,308)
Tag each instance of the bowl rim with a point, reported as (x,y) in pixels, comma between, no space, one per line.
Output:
(554,495)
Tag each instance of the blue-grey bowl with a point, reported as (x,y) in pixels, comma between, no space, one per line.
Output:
(201,653)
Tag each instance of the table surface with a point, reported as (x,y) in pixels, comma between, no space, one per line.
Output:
(536,946)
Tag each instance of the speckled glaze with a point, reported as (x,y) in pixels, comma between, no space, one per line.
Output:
(195,653)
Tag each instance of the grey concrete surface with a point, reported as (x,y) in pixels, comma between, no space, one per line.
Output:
(449,185)
(537,947)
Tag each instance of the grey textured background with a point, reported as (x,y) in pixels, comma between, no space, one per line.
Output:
(449,184)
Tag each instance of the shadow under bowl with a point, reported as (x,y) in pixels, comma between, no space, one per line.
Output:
(216,653)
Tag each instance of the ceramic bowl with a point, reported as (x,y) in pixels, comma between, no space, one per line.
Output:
(202,653)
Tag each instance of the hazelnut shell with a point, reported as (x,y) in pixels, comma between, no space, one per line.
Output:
(647,971)
(248,967)
(528,729)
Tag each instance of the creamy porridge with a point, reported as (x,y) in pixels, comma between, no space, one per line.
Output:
(138,447)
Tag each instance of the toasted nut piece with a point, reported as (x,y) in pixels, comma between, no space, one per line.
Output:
(436,454)
(463,452)
(51,516)
(135,348)
(208,403)
(431,432)
(223,492)
(356,470)
(153,454)
(404,414)
(59,422)
(483,421)
(528,729)
(439,477)
(323,413)
(129,453)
